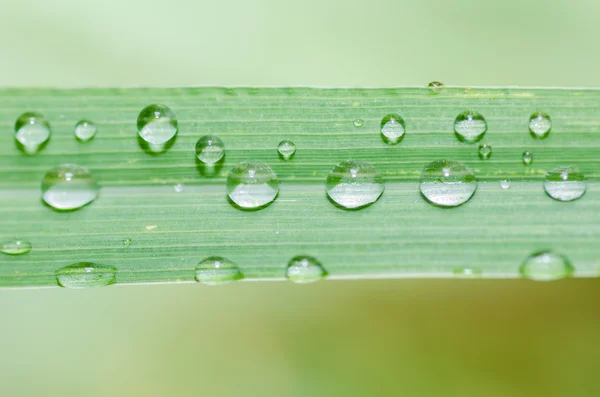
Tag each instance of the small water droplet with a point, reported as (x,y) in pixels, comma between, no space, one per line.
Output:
(85,130)
(304,269)
(358,122)
(68,187)
(354,184)
(127,242)
(216,270)
(435,85)
(467,272)
(565,183)
(252,184)
(540,125)
(527,158)
(485,151)
(546,266)
(32,132)
(157,127)
(178,188)
(392,129)
(470,126)
(15,247)
(286,149)
(505,184)
(85,275)
(210,149)
(447,183)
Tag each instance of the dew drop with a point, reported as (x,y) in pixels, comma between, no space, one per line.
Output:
(392,129)
(85,275)
(485,151)
(447,183)
(15,247)
(157,127)
(304,269)
(358,122)
(85,130)
(540,125)
(435,85)
(216,270)
(68,187)
(354,184)
(505,184)
(546,266)
(470,126)
(467,272)
(565,183)
(286,149)
(32,132)
(127,242)
(210,149)
(527,158)
(178,188)
(252,184)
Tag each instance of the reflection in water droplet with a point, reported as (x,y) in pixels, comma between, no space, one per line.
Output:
(85,130)
(540,125)
(505,184)
(252,184)
(286,149)
(15,247)
(354,184)
(485,151)
(32,132)
(546,266)
(216,270)
(358,122)
(157,127)
(527,158)
(69,186)
(447,183)
(565,183)
(470,126)
(304,269)
(210,149)
(392,129)
(85,275)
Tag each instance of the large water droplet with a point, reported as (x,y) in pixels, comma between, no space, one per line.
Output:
(85,130)
(527,158)
(69,186)
(565,183)
(546,266)
(286,149)
(485,151)
(210,149)
(15,247)
(85,275)
(470,126)
(447,183)
(392,129)
(358,122)
(32,132)
(540,125)
(216,270)
(304,269)
(252,184)
(354,184)
(157,127)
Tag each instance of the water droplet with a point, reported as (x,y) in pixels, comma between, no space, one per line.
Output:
(210,149)
(485,151)
(392,129)
(358,122)
(540,125)
(32,132)
(127,242)
(85,130)
(304,269)
(354,184)
(85,275)
(178,188)
(68,187)
(216,270)
(157,127)
(470,126)
(546,266)
(505,184)
(447,183)
(435,85)
(252,184)
(565,183)
(286,149)
(467,272)
(527,158)
(15,247)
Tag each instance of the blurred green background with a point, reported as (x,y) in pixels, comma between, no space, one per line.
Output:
(398,337)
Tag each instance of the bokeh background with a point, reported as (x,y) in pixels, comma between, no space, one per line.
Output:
(354,338)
